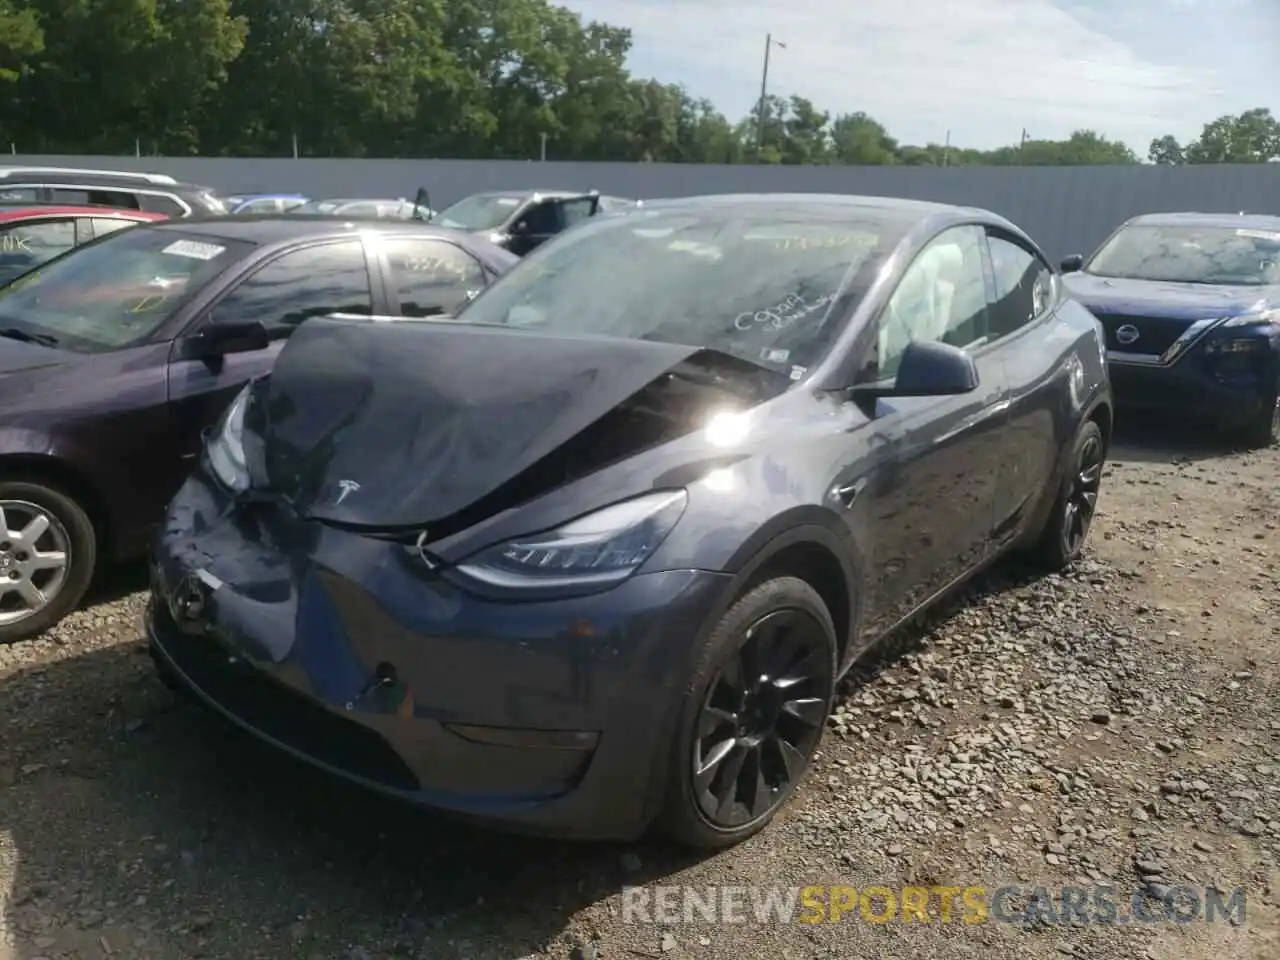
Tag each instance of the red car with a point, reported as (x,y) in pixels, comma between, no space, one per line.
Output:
(31,235)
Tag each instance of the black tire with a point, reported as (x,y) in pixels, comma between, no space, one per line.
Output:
(1074,508)
(784,607)
(1264,429)
(81,555)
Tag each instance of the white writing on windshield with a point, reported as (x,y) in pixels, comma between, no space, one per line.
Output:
(782,315)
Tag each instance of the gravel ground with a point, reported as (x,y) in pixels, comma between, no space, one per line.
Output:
(1116,725)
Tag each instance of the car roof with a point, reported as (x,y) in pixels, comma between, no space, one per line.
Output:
(33,212)
(283,228)
(357,200)
(831,206)
(120,179)
(1254,221)
(527,194)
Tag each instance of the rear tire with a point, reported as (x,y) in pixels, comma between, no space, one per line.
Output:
(1064,536)
(752,717)
(39,524)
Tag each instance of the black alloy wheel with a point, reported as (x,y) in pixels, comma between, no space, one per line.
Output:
(1064,537)
(1082,498)
(761,707)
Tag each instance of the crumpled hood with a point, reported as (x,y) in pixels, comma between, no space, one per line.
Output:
(1158,298)
(389,424)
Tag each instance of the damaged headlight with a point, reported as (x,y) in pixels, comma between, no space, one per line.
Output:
(1252,317)
(603,547)
(226,447)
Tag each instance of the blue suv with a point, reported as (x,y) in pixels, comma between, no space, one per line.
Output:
(1191,307)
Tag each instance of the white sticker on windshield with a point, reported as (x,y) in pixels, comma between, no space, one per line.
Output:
(775,356)
(1271,235)
(798,372)
(697,249)
(508,201)
(193,249)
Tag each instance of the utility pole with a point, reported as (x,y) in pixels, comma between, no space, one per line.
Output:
(1023,142)
(946,150)
(543,157)
(764,91)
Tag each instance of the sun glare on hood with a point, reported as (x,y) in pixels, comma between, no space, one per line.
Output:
(727,428)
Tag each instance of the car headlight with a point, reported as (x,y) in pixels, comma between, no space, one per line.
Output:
(603,547)
(1255,316)
(226,447)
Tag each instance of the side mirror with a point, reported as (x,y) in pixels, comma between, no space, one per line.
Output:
(928,369)
(1072,264)
(219,339)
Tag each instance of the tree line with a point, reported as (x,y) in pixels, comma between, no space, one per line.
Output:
(438,78)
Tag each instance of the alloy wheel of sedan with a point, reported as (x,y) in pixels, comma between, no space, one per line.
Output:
(761,719)
(35,550)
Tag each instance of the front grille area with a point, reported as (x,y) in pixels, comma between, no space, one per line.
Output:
(281,713)
(1155,334)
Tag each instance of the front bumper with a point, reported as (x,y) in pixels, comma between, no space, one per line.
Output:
(548,717)
(1231,387)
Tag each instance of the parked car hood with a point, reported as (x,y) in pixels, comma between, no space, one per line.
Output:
(444,421)
(1158,298)
(17,357)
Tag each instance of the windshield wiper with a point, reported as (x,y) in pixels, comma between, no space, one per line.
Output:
(44,339)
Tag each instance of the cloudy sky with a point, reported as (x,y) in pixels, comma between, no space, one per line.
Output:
(983,69)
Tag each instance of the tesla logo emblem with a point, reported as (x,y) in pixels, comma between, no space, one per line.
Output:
(345,488)
(1127,334)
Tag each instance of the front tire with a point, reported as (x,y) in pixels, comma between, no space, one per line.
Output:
(1076,504)
(752,716)
(47,554)
(1263,430)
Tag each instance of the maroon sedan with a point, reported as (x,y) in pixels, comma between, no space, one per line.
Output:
(29,235)
(114,357)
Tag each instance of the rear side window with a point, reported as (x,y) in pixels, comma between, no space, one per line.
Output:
(103,225)
(95,197)
(1024,285)
(19,194)
(312,282)
(432,277)
(159,203)
(27,245)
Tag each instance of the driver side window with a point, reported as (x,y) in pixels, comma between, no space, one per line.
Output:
(543,219)
(942,297)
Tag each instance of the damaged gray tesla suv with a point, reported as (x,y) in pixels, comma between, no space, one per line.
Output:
(593,554)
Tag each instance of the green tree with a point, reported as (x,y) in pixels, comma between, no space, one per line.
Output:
(1251,137)
(859,139)
(21,38)
(1166,152)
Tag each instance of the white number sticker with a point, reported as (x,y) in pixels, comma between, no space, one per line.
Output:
(194,249)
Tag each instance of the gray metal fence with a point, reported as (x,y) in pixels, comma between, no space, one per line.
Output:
(1067,209)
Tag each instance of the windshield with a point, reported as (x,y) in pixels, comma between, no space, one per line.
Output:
(771,288)
(484,211)
(1190,254)
(116,291)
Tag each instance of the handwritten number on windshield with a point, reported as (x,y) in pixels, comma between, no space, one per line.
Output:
(782,315)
